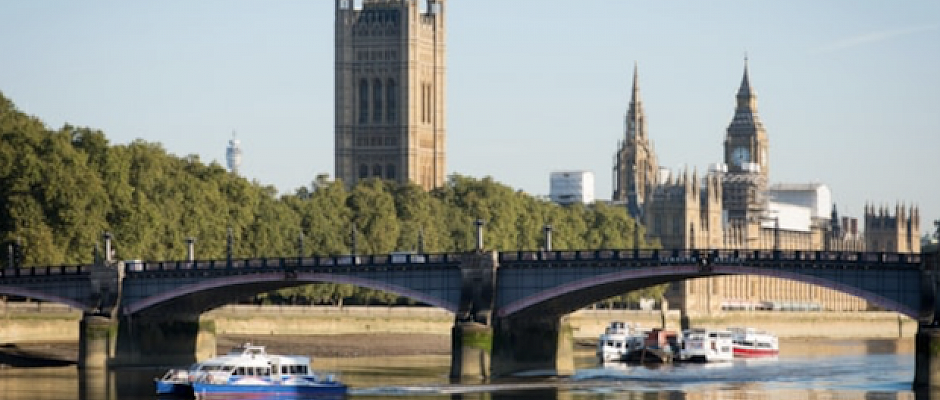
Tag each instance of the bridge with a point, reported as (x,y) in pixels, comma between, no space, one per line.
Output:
(508,306)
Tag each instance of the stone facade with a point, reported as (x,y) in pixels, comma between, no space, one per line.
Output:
(635,166)
(732,207)
(390,91)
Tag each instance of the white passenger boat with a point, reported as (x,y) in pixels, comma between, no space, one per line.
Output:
(749,342)
(618,340)
(249,370)
(706,345)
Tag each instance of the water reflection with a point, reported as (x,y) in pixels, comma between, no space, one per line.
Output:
(844,370)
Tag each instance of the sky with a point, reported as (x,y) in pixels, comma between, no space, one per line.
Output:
(848,90)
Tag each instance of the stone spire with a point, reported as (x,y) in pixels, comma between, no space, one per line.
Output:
(636,119)
(746,111)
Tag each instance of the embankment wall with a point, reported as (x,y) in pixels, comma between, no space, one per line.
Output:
(52,324)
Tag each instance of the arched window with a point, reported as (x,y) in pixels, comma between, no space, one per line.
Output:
(377,171)
(392,101)
(363,171)
(390,172)
(377,96)
(363,101)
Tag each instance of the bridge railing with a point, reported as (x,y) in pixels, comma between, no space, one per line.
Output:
(44,271)
(364,261)
(759,258)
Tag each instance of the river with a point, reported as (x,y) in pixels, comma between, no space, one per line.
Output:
(805,369)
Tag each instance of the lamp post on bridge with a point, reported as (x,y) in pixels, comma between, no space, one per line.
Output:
(228,246)
(479,224)
(420,240)
(636,238)
(10,256)
(548,237)
(108,253)
(300,244)
(191,248)
(352,239)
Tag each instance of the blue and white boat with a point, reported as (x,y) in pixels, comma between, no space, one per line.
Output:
(250,370)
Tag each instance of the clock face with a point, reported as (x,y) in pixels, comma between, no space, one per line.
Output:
(740,155)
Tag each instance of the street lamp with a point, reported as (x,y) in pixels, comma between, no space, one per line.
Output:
(479,224)
(548,237)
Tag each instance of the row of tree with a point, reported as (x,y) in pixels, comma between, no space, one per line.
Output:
(60,190)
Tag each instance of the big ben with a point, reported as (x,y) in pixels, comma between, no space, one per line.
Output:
(746,157)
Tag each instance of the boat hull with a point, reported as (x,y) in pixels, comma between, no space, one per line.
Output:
(220,389)
(748,352)
(180,389)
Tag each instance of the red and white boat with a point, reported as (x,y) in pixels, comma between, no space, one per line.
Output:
(749,342)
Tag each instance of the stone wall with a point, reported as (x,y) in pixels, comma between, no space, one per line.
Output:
(247,320)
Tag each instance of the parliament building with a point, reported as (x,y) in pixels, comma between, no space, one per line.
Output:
(390,89)
(733,206)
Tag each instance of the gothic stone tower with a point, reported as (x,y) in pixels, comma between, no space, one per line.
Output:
(746,145)
(898,233)
(390,91)
(635,167)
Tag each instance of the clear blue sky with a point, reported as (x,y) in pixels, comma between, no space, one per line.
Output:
(848,90)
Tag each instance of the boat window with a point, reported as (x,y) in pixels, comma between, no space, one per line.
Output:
(240,371)
(264,371)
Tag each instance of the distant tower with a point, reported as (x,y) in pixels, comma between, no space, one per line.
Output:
(233,154)
(390,90)
(635,168)
(746,145)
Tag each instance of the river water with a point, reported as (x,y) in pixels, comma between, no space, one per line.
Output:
(806,369)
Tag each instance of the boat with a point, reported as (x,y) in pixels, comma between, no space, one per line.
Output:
(749,342)
(175,382)
(658,346)
(248,369)
(618,340)
(704,345)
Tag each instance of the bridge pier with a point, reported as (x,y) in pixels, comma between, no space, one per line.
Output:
(470,358)
(927,357)
(167,340)
(96,336)
(533,343)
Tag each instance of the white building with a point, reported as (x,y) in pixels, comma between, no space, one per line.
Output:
(797,206)
(568,187)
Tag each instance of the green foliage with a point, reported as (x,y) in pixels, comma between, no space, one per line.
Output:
(60,190)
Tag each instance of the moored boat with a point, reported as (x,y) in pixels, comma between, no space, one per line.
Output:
(706,345)
(749,342)
(618,340)
(250,370)
(659,346)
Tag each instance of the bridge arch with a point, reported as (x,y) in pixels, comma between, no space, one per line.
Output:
(273,281)
(44,296)
(569,297)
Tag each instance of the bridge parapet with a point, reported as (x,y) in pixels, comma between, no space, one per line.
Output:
(61,270)
(412,261)
(755,258)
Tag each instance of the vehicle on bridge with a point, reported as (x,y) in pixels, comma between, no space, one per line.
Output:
(250,370)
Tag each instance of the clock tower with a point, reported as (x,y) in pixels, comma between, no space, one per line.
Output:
(746,144)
